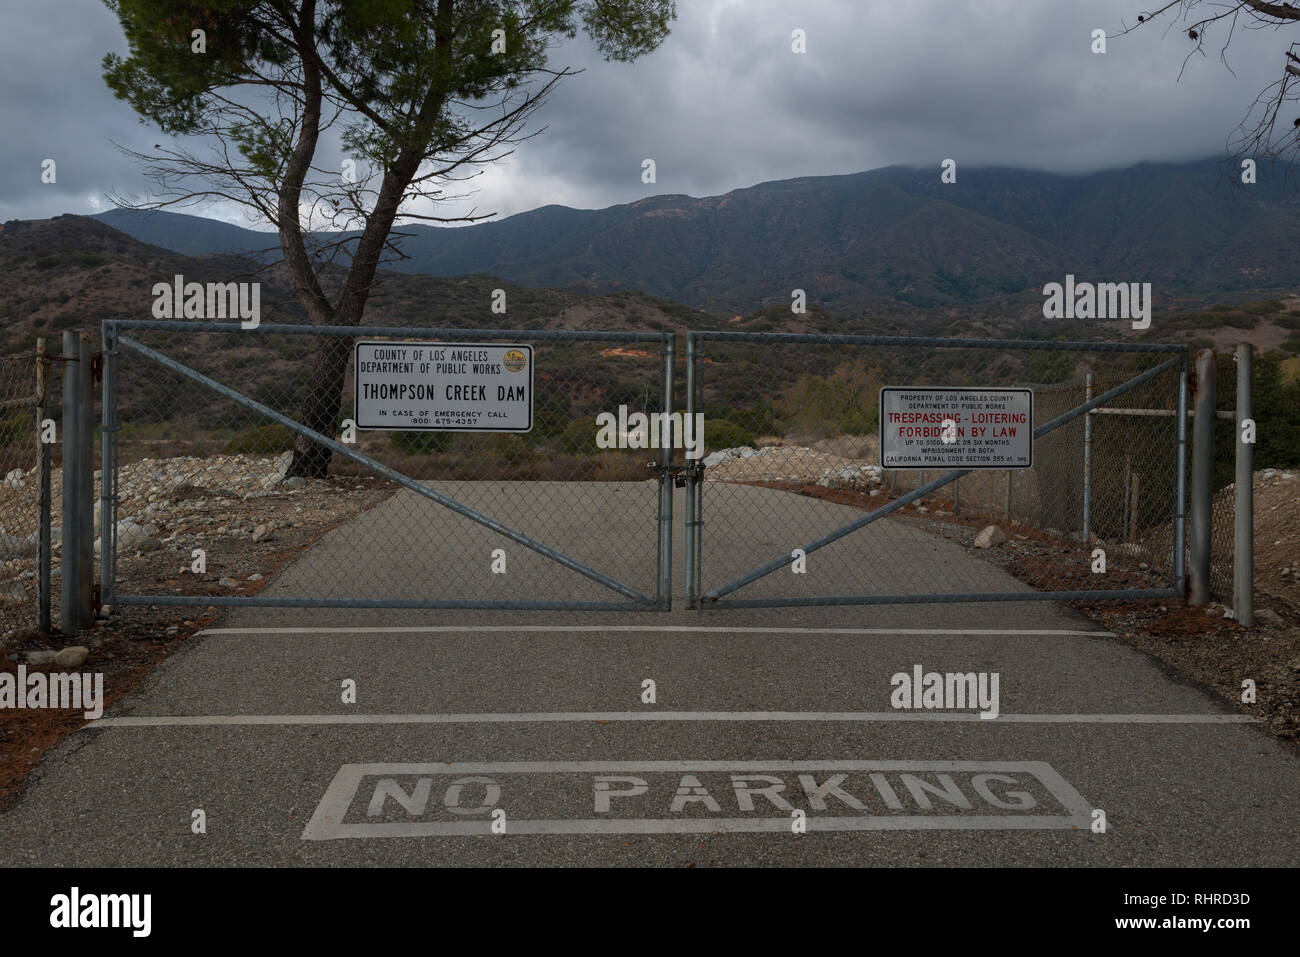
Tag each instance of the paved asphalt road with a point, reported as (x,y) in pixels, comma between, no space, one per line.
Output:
(766,721)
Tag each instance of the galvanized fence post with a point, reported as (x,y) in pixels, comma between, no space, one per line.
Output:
(1243,538)
(691,475)
(107,467)
(1087,463)
(1202,478)
(1180,467)
(43,481)
(86,485)
(70,621)
(666,480)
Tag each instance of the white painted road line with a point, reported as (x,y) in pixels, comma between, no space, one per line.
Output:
(689,629)
(235,720)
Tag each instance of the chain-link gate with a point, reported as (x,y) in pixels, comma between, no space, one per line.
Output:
(204,416)
(1100,514)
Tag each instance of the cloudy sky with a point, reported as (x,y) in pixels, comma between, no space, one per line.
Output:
(725,103)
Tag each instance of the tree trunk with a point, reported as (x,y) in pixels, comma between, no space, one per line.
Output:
(321,408)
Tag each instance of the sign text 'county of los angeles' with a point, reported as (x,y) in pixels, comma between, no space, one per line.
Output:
(443,386)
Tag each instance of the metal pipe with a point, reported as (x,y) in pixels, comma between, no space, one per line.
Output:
(400,332)
(666,481)
(69,622)
(391,474)
(1118,594)
(107,447)
(43,479)
(1243,530)
(787,338)
(86,485)
(1202,479)
(1087,464)
(1180,466)
(259,601)
(690,473)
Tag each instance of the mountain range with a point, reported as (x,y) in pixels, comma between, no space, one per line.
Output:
(875,242)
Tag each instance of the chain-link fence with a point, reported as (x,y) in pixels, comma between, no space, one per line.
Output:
(20,490)
(792,426)
(214,425)
(219,433)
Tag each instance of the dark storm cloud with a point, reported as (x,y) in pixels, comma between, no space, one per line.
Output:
(725,103)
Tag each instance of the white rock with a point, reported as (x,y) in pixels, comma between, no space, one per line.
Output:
(73,657)
(294,483)
(132,535)
(990,536)
(282,463)
(255,577)
(228,583)
(40,658)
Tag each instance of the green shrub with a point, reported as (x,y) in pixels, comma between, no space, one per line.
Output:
(513,449)
(547,426)
(420,443)
(261,440)
(579,438)
(724,434)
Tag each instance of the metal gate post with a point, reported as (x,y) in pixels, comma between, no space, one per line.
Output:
(691,476)
(1202,478)
(86,486)
(108,469)
(69,620)
(666,481)
(1087,464)
(1243,538)
(43,479)
(1180,497)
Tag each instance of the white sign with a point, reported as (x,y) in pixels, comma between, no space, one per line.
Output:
(443,387)
(956,428)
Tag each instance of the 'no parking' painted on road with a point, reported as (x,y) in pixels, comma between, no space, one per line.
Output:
(679,797)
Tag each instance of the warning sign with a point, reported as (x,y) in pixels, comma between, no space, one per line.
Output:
(930,428)
(443,387)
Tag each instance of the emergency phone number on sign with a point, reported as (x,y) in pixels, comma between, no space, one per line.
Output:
(443,386)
